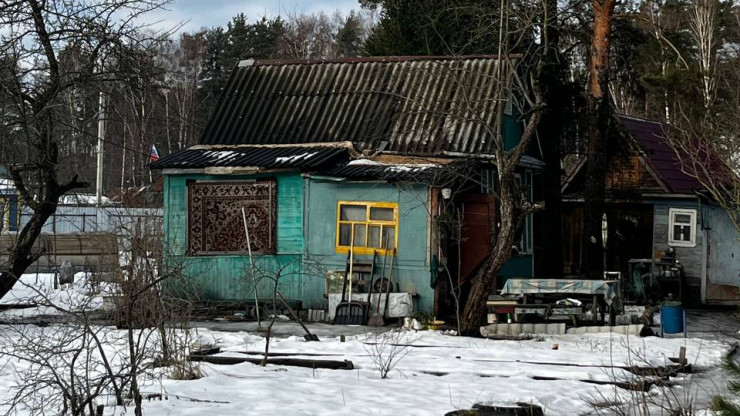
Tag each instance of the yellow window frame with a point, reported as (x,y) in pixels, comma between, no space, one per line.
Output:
(5,214)
(368,205)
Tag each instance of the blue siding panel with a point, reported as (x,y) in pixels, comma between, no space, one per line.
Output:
(412,270)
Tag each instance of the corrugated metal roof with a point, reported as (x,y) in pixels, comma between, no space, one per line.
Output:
(308,157)
(430,173)
(419,105)
(385,173)
(651,136)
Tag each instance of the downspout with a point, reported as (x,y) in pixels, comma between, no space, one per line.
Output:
(704,255)
(165,215)
(306,211)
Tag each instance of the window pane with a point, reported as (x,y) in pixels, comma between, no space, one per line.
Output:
(682,218)
(373,236)
(389,235)
(352,213)
(360,230)
(345,231)
(681,233)
(381,214)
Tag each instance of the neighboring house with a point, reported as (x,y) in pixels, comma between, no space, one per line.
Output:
(9,203)
(653,206)
(316,152)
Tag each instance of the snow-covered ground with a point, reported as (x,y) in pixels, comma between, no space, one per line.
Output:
(36,296)
(438,373)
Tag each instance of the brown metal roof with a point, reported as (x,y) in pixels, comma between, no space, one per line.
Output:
(419,105)
(653,140)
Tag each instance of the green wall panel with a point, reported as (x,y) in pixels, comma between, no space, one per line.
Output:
(229,277)
(412,264)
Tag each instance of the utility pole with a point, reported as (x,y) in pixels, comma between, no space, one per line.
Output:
(101,137)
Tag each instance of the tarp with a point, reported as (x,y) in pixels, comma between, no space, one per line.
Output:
(560,286)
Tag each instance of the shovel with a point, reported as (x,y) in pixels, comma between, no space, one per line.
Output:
(347,312)
(309,336)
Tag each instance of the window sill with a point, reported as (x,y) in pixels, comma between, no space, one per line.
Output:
(365,251)
(684,244)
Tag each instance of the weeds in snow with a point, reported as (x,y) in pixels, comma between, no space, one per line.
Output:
(387,349)
(641,388)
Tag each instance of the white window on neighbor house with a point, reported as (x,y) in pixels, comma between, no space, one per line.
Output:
(682,227)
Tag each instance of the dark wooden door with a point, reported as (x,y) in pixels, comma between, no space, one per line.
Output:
(475,245)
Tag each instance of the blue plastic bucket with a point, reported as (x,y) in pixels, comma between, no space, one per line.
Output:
(671,317)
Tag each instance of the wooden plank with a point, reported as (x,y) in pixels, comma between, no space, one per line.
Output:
(292,362)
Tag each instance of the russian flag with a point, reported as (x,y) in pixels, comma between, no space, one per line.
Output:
(153,155)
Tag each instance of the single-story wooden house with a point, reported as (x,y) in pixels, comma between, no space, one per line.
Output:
(324,156)
(654,207)
(9,203)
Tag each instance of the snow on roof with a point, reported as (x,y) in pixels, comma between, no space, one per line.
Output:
(221,155)
(295,158)
(83,199)
(397,167)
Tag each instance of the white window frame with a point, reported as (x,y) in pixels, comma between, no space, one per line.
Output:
(672,212)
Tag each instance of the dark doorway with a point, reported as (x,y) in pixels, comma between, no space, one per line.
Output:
(630,235)
(466,246)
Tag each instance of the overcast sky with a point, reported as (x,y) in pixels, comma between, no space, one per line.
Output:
(208,13)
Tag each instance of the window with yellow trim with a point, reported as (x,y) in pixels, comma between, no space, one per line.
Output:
(373,226)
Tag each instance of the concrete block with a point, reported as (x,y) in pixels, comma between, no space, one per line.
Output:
(495,330)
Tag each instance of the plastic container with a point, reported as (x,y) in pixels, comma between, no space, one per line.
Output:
(671,317)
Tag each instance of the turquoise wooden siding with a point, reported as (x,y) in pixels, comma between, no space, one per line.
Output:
(513,130)
(306,238)
(225,277)
(412,270)
(304,260)
(517,267)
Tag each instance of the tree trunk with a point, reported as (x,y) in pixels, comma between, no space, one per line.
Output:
(485,281)
(556,99)
(22,256)
(596,145)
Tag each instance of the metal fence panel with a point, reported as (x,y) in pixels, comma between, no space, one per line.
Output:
(116,220)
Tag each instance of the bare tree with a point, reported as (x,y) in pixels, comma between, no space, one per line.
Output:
(706,143)
(515,79)
(703,28)
(387,349)
(36,79)
(519,81)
